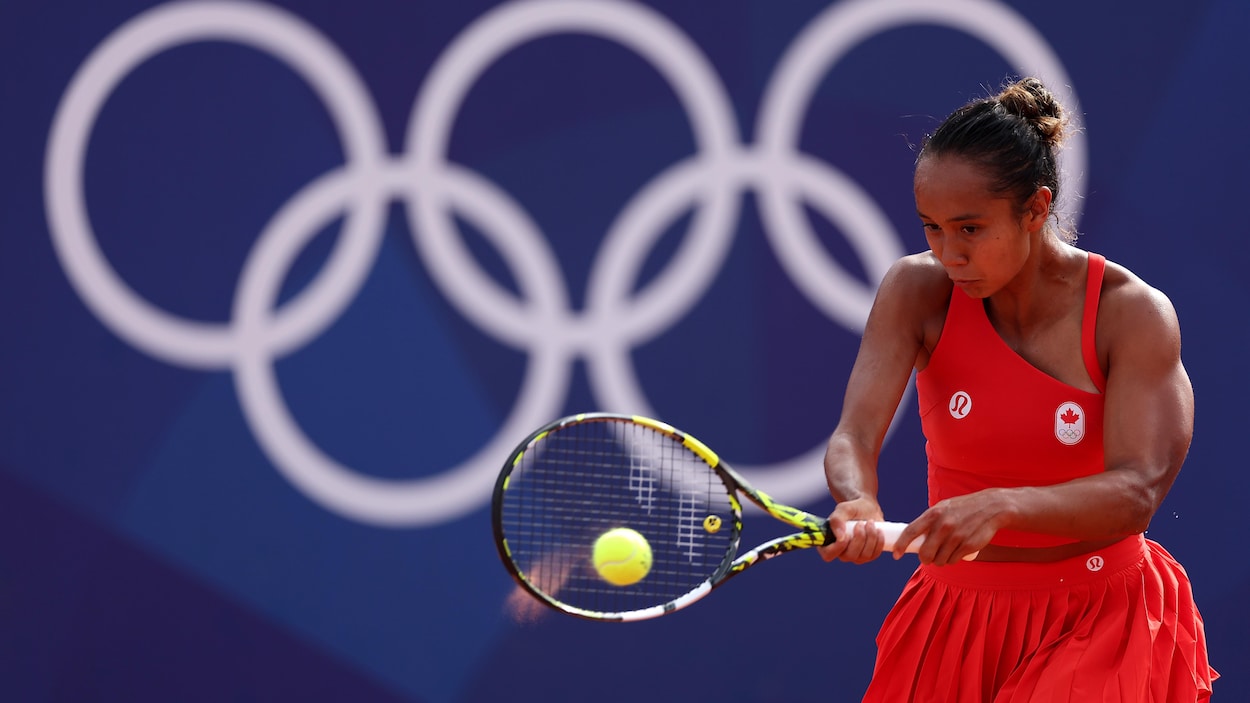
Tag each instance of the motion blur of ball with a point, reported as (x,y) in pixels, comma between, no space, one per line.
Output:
(622,556)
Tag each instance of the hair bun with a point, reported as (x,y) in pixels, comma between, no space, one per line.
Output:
(1029,99)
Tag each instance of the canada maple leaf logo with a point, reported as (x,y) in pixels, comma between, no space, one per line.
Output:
(1069,425)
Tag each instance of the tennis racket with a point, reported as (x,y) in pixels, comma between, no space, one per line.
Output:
(582,475)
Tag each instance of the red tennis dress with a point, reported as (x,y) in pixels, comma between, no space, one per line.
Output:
(1118,624)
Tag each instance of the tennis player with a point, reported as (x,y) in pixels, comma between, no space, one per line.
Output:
(1057,414)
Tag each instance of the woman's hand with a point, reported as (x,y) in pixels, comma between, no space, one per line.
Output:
(860,544)
(956,527)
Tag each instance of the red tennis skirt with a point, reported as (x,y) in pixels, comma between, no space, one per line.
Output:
(1118,624)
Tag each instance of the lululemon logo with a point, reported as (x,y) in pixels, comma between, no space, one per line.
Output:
(1094,563)
(960,405)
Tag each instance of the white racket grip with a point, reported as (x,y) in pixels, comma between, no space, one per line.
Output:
(891,532)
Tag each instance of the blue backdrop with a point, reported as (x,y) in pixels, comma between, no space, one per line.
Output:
(281,284)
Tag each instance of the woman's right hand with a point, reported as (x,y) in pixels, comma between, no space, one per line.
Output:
(859,544)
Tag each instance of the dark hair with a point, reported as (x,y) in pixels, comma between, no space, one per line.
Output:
(1014,135)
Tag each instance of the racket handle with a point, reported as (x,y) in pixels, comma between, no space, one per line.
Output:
(892,530)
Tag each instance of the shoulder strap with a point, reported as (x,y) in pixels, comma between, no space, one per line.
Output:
(1089,320)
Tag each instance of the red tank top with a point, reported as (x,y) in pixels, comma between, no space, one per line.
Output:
(992,419)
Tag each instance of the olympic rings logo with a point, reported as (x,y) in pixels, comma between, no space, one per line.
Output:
(540,321)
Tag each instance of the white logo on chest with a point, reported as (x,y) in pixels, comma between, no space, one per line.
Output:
(960,405)
(1069,423)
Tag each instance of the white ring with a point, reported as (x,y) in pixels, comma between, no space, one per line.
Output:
(176,340)
(477,48)
(422,501)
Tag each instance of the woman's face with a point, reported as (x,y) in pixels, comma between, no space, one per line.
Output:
(981,239)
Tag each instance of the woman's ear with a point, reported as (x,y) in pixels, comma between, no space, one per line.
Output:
(1037,210)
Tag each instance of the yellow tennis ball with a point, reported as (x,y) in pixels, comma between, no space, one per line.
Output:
(622,556)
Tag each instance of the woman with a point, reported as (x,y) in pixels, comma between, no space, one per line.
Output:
(1057,414)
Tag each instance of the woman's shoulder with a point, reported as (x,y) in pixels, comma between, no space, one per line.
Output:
(920,272)
(1121,287)
(1130,304)
(916,290)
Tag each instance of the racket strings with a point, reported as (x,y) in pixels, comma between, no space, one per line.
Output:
(580,480)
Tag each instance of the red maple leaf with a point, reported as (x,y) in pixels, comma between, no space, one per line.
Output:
(1069,417)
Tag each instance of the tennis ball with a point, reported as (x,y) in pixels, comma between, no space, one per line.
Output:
(622,556)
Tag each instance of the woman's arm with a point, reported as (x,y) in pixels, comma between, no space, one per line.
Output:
(913,292)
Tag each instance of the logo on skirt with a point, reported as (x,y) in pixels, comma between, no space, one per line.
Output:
(1094,563)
